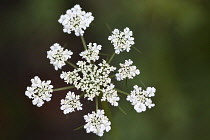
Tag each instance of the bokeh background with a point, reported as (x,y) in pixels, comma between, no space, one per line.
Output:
(173,36)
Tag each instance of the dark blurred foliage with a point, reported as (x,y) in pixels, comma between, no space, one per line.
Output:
(173,36)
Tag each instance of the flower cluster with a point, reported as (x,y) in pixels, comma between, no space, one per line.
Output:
(39,91)
(122,40)
(70,103)
(140,98)
(110,95)
(76,20)
(58,56)
(93,81)
(91,54)
(97,122)
(93,78)
(127,71)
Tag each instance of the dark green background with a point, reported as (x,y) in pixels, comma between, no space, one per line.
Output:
(173,36)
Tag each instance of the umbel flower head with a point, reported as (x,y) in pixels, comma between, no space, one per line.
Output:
(93,78)
(140,98)
(93,81)
(122,40)
(39,91)
(97,123)
(91,54)
(58,56)
(76,20)
(127,71)
(70,103)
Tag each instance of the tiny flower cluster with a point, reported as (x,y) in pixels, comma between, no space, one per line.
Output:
(127,71)
(70,103)
(76,20)
(93,79)
(58,56)
(91,54)
(122,40)
(110,95)
(97,123)
(39,91)
(140,98)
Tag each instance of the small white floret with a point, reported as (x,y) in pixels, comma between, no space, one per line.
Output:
(75,20)
(70,103)
(122,41)
(39,91)
(91,54)
(140,99)
(127,71)
(97,123)
(58,56)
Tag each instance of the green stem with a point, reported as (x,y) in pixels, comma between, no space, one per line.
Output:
(122,110)
(81,95)
(63,88)
(110,60)
(96,103)
(120,91)
(71,64)
(143,84)
(108,27)
(112,76)
(104,54)
(137,50)
(107,58)
(67,116)
(126,81)
(78,127)
(84,43)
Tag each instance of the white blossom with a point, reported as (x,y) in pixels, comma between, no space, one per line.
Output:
(76,20)
(140,98)
(150,91)
(127,71)
(91,79)
(122,40)
(97,122)
(91,54)
(110,94)
(39,91)
(70,103)
(58,56)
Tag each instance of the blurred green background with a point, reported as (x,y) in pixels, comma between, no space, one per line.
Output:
(173,36)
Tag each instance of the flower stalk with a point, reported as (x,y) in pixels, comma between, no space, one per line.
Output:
(71,64)
(63,88)
(110,60)
(78,128)
(96,103)
(84,43)
(122,110)
(120,91)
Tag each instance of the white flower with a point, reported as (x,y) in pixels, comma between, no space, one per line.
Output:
(122,40)
(91,79)
(149,103)
(140,98)
(58,56)
(76,20)
(91,54)
(127,71)
(70,103)
(97,123)
(110,94)
(150,91)
(39,91)
(140,107)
